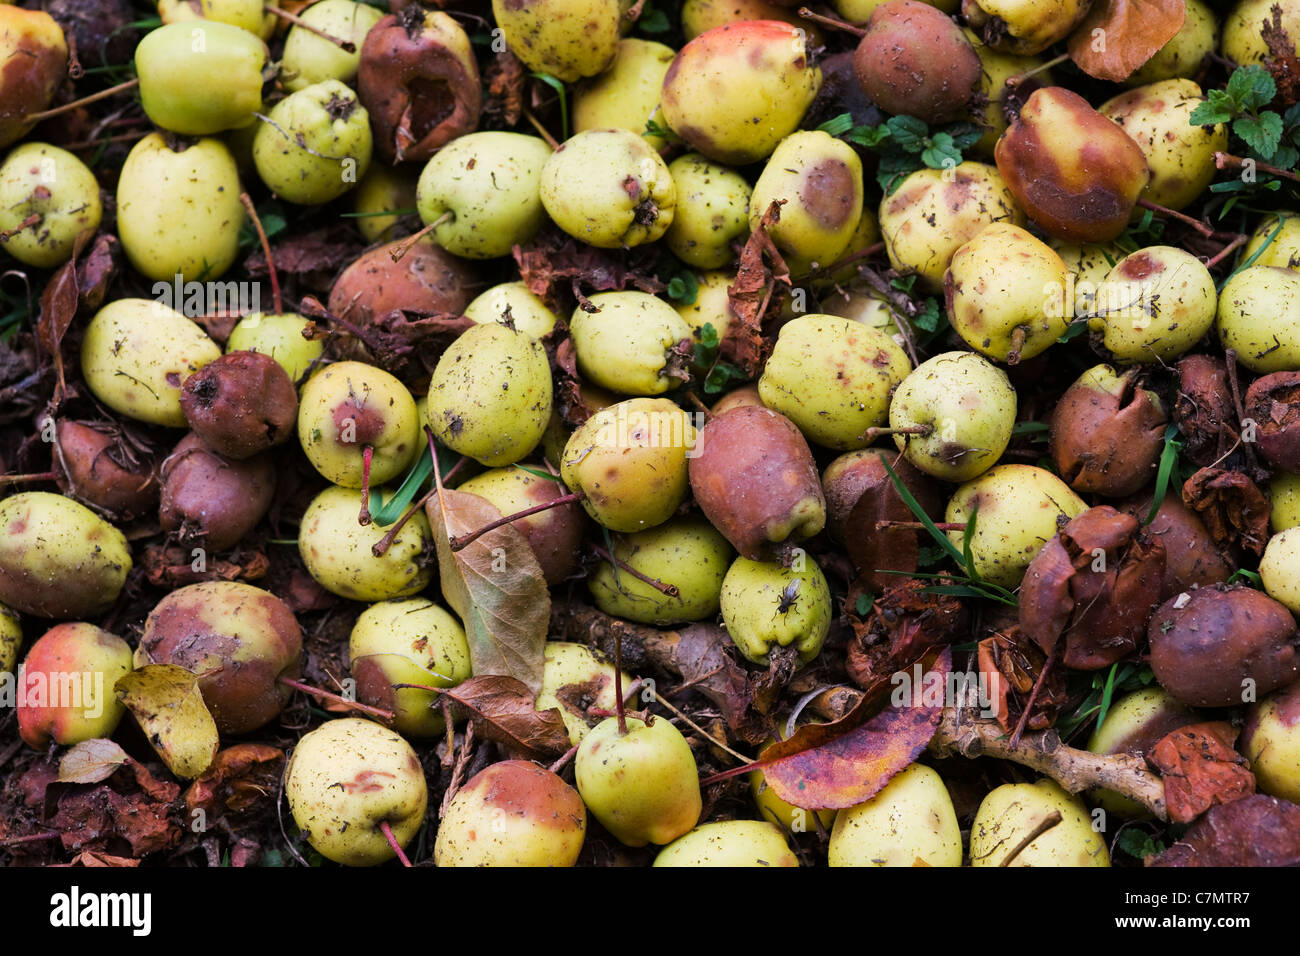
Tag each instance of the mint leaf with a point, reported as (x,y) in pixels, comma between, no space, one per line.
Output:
(1251,87)
(683,288)
(1217,108)
(653,20)
(1261,133)
(927,320)
(909,132)
(941,153)
(869,137)
(708,336)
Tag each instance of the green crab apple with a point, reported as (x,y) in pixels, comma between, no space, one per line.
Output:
(181,64)
(315,145)
(37,179)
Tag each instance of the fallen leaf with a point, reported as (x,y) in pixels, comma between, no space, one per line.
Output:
(1281,61)
(170,566)
(554,264)
(749,294)
(93,859)
(505,80)
(241,778)
(91,761)
(1200,769)
(1012,665)
(96,270)
(1254,831)
(165,700)
(903,624)
(59,303)
(502,710)
(841,764)
(496,587)
(1118,36)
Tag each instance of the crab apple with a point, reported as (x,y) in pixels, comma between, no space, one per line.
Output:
(241,404)
(339,551)
(513,813)
(1183,55)
(309,58)
(348,406)
(627,345)
(53,184)
(1107,433)
(766,605)
(1076,173)
(912,59)
(1134,724)
(609,188)
(818,178)
(1271,742)
(1016,510)
(1259,318)
(483,190)
(1009,814)
(729,843)
(755,479)
(568,39)
(316,144)
(1156,304)
(967,408)
(212,499)
(934,212)
(514,304)
(35,53)
(410,641)
(345,780)
(711,211)
(687,553)
(75,667)
(1024,27)
(96,468)
(181,64)
(1006,292)
(643,785)
(279,336)
(238,639)
(627,94)
(629,462)
(833,378)
(490,395)
(911,822)
(737,90)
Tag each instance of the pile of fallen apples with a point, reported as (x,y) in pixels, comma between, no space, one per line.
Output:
(707,432)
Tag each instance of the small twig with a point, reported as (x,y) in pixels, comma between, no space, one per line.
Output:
(831,22)
(1228,161)
(347,46)
(917,526)
(367,457)
(1187,220)
(671,590)
(460,541)
(84,101)
(385,715)
(1033,698)
(1226,251)
(1043,67)
(871,434)
(266,251)
(659,699)
(392,841)
(32,220)
(20,479)
(458,770)
(403,247)
(1045,824)
(564,760)
(541,130)
(31,838)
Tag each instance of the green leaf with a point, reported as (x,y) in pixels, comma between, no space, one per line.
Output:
(1029,428)
(837,125)
(1167,458)
(654,127)
(966,538)
(869,137)
(1251,578)
(1138,843)
(708,336)
(720,376)
(964,135)
(863,604)
(927,320)
(1216,108)
(555,83)
(1261,133)
(904,283)
(653,20)
(914,506)
(1251,87)
(909,133)
(1107,693)
(683,288)
(942,153)
(893,168)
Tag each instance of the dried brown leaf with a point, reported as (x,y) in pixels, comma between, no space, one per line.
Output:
(1200,769)
(761,267)
(1118,36)
(496,587)
(501,709)
(91,761)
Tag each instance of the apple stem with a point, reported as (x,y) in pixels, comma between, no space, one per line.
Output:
(392,841)
(458,542)
(564,760)
(671,590)
(1196,224)
(1045,824)
(32,220)
(917,526)
(1227,160)
(367,456)
(1018,336)
(620,709)
(84,101)
(662,701)
(1043,67)
(380,547)
(867,253)
(347,46)
(20,479)
(551,141)
(1226,251)
(402,248)
(831,22)
(871,434)
(386,715)
(634,11)
(266,251)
